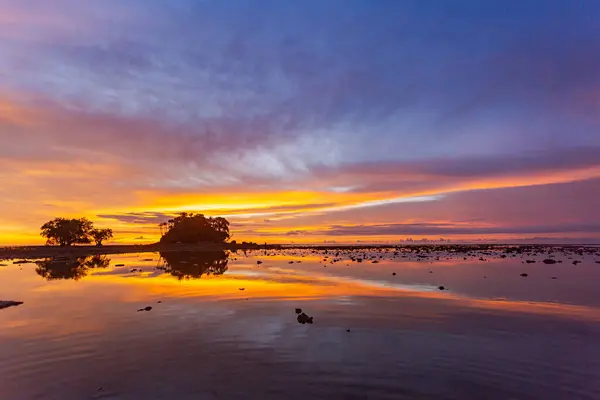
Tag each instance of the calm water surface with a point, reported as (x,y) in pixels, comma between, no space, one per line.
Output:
(224,327)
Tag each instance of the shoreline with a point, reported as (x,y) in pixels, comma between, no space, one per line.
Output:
(37,252)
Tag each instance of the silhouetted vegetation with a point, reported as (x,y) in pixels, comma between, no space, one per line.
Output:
(67,232)
(195,228)
(69,268)
(186,264)
(100,235)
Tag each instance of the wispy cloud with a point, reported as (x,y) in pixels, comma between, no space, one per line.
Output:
(132,110)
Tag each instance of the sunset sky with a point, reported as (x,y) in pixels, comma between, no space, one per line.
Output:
(303,121)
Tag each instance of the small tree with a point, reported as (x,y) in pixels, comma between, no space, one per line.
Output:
(66,232)
(100,235)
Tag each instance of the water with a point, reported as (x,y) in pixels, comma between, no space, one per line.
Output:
(493,334)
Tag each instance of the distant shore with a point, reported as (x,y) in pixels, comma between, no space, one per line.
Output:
(36,252)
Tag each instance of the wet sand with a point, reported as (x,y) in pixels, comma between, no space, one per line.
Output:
(224,326)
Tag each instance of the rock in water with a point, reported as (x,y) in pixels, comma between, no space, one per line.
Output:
(441,288)
(524,275)
(549,261)
(304,319)
(9,303)
(298,310)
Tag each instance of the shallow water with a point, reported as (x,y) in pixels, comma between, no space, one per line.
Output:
(493,334)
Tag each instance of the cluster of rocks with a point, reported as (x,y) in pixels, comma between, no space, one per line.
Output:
(303,318)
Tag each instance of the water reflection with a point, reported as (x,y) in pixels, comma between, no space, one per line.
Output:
(186,265)
(69,268)
(384,325)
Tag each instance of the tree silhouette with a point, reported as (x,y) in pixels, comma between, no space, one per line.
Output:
(67,232)
(194,228)
(186,265)
(69,268)
(100,235)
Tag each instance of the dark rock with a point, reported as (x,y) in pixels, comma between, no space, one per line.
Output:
(524,275)
(393,273)
(160,301)
(242,288)
(259,262)
(9,303)
(304,319)
(576,262)
(119,265)
(347,330)
(549,261)
(298,310)
(530,261)
(441,288)
(554,277)
(148,308)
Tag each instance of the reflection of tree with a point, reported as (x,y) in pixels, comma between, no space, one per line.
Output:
(186,264)
(69,268)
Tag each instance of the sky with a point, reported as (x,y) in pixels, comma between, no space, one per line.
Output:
(303,121)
